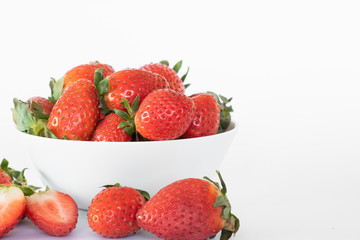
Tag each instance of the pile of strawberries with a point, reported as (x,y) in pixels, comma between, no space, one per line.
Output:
(93,102)
(188,209)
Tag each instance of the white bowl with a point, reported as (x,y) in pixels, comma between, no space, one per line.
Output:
(80,168)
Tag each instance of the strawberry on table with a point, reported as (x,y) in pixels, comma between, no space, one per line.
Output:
(189,209)
(108,130)
(5,173)
(164,115)
(112,212)
(170,74)
(207,116)
(76,113)
(12,207)
(128,84)
(53,212)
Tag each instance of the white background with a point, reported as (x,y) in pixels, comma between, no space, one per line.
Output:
(292,68)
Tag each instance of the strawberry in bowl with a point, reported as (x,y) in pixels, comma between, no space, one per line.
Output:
(124,126)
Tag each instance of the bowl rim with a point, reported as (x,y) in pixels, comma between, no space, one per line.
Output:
(231,129)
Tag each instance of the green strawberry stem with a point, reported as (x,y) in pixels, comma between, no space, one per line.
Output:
(56,89)
(102,86)
(129,124)
(225,116)
(232,222)
(25,120)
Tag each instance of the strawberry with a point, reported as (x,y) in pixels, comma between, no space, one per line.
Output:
(162,68)
(189,209)
(207,116)
(108,130)
(128,84)
(225,116)
(85,71)
(164,115)
(30,117)
(112,212)
(5,179)
(53,212)
(5,173)
(76,113)
(40,105)
(12,207)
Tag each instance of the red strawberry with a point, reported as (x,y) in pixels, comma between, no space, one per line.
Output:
(5,179)
(85,71)
(53,212)
(128,84)
(169,74)
(207,116)
(40,104)
(108,130)
(12,207)
(7,174)
(112,212)
(76,113)
(189,209)
(164,115)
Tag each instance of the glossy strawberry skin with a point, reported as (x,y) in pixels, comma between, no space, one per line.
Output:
(76,113)
(207,116)
(108,131)
(85,71)
(12,207)
(45,103)
(168,73)
(5,179)
(164,115)
(183,210)
(130,83)
(53,212)
(112,212)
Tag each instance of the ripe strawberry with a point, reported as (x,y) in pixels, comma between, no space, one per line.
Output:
(175,82)
(76,113)
(5,179)
(7,174)
(128,84)
(112,212)
(108,130)
(12,207)
(225,116)
(189,209)
(207,116)
(53,212)
(164,115)
(85,71)
(40,105)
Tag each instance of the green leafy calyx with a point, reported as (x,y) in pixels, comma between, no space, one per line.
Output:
(27,121)
(56,88)
(232,222)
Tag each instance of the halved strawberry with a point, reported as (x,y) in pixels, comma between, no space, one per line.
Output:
(12,207)
(53,212)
